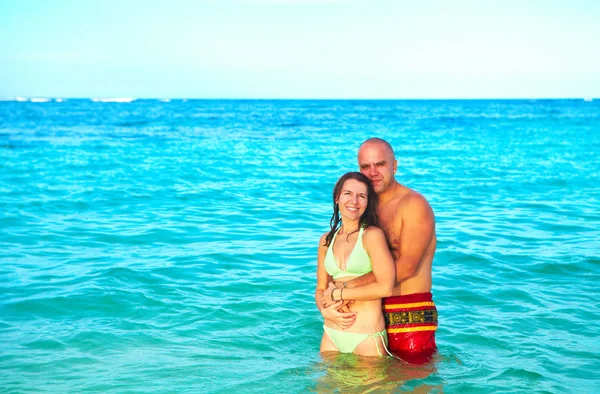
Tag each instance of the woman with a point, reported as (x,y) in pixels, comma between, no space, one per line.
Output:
(354,248)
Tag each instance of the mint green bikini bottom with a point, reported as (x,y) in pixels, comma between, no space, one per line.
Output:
(346,342)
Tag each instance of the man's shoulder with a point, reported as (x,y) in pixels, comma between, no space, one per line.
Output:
(411,199)
(415,197)
(411,207)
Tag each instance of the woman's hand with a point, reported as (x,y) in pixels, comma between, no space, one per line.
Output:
(337,311)
(342,319)
(328,294)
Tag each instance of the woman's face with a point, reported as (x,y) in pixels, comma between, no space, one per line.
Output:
(353,199)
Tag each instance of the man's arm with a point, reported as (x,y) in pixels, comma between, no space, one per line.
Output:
(418,226)
(358,282)
(383,270)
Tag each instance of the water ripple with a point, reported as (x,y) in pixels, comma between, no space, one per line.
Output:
(171,246)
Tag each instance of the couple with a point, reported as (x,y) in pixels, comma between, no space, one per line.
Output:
(374,266)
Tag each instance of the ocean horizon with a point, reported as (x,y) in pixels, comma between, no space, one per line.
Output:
(127,99)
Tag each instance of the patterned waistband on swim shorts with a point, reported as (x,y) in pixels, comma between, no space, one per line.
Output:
(414,312)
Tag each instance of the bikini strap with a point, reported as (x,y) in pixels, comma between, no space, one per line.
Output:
(335,235)
(381,334)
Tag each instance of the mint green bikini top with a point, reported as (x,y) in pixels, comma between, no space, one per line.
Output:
(358,264)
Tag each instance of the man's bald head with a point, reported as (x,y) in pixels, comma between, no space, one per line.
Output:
(378,141)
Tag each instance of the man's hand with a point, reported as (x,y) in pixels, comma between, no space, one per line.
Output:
(342,319)
(345,305)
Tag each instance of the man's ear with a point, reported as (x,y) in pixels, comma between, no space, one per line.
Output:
(395,166)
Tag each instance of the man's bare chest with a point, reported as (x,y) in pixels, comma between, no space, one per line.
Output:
(391,224)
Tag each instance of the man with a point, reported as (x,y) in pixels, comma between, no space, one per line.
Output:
(409,225)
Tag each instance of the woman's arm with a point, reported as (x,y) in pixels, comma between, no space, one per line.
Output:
(329,312)
(323,277)
(384,271)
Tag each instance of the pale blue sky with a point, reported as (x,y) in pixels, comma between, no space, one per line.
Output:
(300,48)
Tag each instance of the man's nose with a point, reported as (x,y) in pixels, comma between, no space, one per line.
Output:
(372,170)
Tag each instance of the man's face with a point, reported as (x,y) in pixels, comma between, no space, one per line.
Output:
(377,162)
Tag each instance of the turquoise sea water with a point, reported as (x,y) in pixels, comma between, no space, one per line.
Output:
(170,246)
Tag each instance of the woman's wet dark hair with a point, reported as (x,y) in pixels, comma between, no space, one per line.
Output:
(369,216)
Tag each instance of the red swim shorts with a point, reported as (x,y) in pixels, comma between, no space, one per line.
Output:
(410,322)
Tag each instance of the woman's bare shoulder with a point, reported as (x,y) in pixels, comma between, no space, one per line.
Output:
(323,239)
(373,232)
